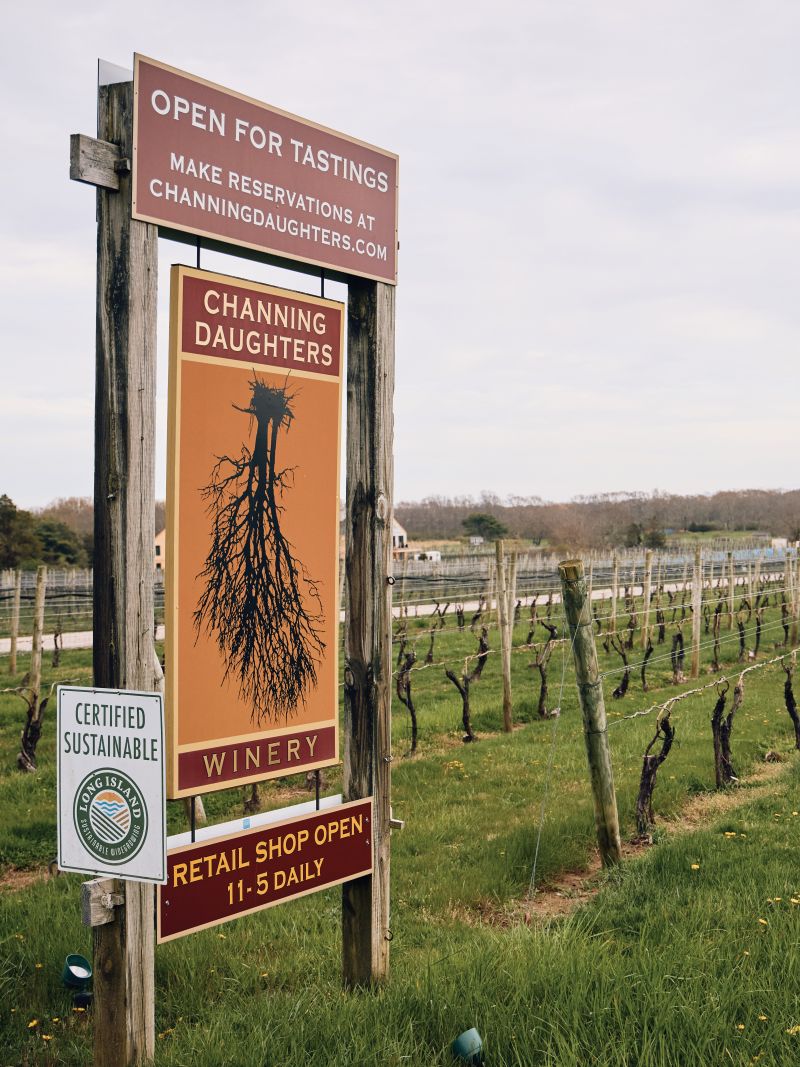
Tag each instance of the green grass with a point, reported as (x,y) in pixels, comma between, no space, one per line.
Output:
(652,972)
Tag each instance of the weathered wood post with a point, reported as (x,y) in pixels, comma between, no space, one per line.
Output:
(502,618)
(648,580)
(368,618)
(12,658)
(697,610)
(590,690)
(795,567)
(124,533)
(731,591)
(614,593)
(590,587)
(37,632)
(512,597)
(26,758)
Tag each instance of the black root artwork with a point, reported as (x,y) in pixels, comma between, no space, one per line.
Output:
(652,761)
(258,602)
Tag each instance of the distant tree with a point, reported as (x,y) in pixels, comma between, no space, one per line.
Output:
(654,538)
(19,543)
(61,545)
(634,535)
(480,524)
(77,512)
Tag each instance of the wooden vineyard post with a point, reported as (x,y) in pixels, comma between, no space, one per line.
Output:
(648,579)
(502,619)
(795,567)
(12,658)
(590,589)
(368,618)
(730,591)
(37,632)
(590,689)
(124,533)
(697,610)
(614,594)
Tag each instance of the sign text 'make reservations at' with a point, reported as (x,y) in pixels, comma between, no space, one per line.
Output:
(213,163)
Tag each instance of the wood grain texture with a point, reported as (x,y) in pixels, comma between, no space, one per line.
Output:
(503,626)
(38,633)
(731,591)
(99,897)
(127,266)
(94,162)
(697,610)
(12,656)
(648,581)
(368,613)
(590,690)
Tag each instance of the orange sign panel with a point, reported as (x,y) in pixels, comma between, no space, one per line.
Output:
(252,587)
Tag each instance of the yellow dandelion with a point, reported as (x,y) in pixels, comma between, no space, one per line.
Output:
(730,833)
(796,813)
(763,922)
(763,1018)
(32,1023)
(38,966)
(695,866)
(793,1030)
(55,1019)
(778,900)
(795,900)
(740,1026)
(79,1011)
(221,936)
(746,952)
(47,1037)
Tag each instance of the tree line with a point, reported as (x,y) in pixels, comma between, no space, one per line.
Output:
(608,519)
(59,534)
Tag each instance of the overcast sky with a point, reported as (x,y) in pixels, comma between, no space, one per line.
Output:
(600,236)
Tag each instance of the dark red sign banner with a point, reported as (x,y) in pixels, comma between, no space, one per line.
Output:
(209,161)
(217,879)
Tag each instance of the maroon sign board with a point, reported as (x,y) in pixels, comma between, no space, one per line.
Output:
(214,163)
(222,878)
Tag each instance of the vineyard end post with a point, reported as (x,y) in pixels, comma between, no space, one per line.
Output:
(590,689)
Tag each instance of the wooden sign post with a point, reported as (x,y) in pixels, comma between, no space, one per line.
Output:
(368,618)
(124,533)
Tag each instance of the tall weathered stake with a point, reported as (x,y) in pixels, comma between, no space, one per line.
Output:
(124,488)
(697,610)
(590,689)
(368,618)
(503,608)
(12,658)
(648,579)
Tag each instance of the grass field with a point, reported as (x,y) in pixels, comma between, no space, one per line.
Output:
(687,955)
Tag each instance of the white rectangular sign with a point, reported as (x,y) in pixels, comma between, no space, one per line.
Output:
(111,783)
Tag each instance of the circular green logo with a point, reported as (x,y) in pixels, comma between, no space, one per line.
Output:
(110,816)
